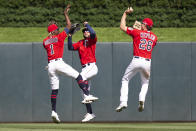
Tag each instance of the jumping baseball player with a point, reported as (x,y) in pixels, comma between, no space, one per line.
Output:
(54,45)
(143,42)
(86,49)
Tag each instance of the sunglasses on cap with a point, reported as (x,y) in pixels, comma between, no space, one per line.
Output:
(85,30)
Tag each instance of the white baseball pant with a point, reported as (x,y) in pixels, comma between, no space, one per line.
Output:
(142,66)
(55,68)
(88,72)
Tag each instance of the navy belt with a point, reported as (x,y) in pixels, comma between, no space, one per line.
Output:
(141,57)
(83,66)
(55,60)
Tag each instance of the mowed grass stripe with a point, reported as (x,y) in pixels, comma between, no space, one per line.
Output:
(100,127)
(37,34)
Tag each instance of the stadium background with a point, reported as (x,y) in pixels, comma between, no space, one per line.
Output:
(25,83)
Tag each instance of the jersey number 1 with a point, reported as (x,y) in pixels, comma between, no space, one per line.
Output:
(145,45)
(52,49)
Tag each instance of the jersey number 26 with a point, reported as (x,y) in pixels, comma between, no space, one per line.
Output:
(145,44)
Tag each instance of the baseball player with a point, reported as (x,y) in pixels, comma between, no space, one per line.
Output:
(54,45)
(86,49)
(143,42)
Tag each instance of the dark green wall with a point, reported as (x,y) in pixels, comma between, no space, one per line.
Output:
(25,89)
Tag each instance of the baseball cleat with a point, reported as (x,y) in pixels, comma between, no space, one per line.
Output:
(86,102)
(88,117)
(141,106)
(121,107)
(89,99)
(55,117)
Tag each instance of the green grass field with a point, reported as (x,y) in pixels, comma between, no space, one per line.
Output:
(98,127)
(30,34)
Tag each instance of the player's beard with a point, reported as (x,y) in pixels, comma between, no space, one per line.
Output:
(84,36)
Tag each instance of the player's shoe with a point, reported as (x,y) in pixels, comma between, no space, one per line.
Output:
(88,117)
(55,117)
(122,106)
(89,99)
(141,106)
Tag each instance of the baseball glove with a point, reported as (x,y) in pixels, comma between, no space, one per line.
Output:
(74,28)
(137,25)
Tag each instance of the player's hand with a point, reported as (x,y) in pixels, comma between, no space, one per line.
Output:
(129,10)
(70,35)
(67,9)
(85,23)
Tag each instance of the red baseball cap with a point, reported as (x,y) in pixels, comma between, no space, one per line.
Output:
(52,27)
(148,22)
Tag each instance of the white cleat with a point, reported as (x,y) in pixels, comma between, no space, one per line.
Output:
(89,99)
(141,106)
(86,102)
(88,117)
(55,117)
(121,107)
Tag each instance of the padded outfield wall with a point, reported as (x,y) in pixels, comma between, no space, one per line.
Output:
(25,89)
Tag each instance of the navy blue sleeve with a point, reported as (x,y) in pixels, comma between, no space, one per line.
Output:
(66,30)
(70,46)
(92,32)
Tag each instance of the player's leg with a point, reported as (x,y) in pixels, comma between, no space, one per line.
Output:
(67,70)
(88,105)
(129,73)
(54,82)
(54,114)
(145,77)
(87,73)
(83,84)
(88,108)
(89,116)
(54,94)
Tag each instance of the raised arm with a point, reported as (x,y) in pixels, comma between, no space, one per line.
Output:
(68,23)
(123,26)
(70,46)
(92,32)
